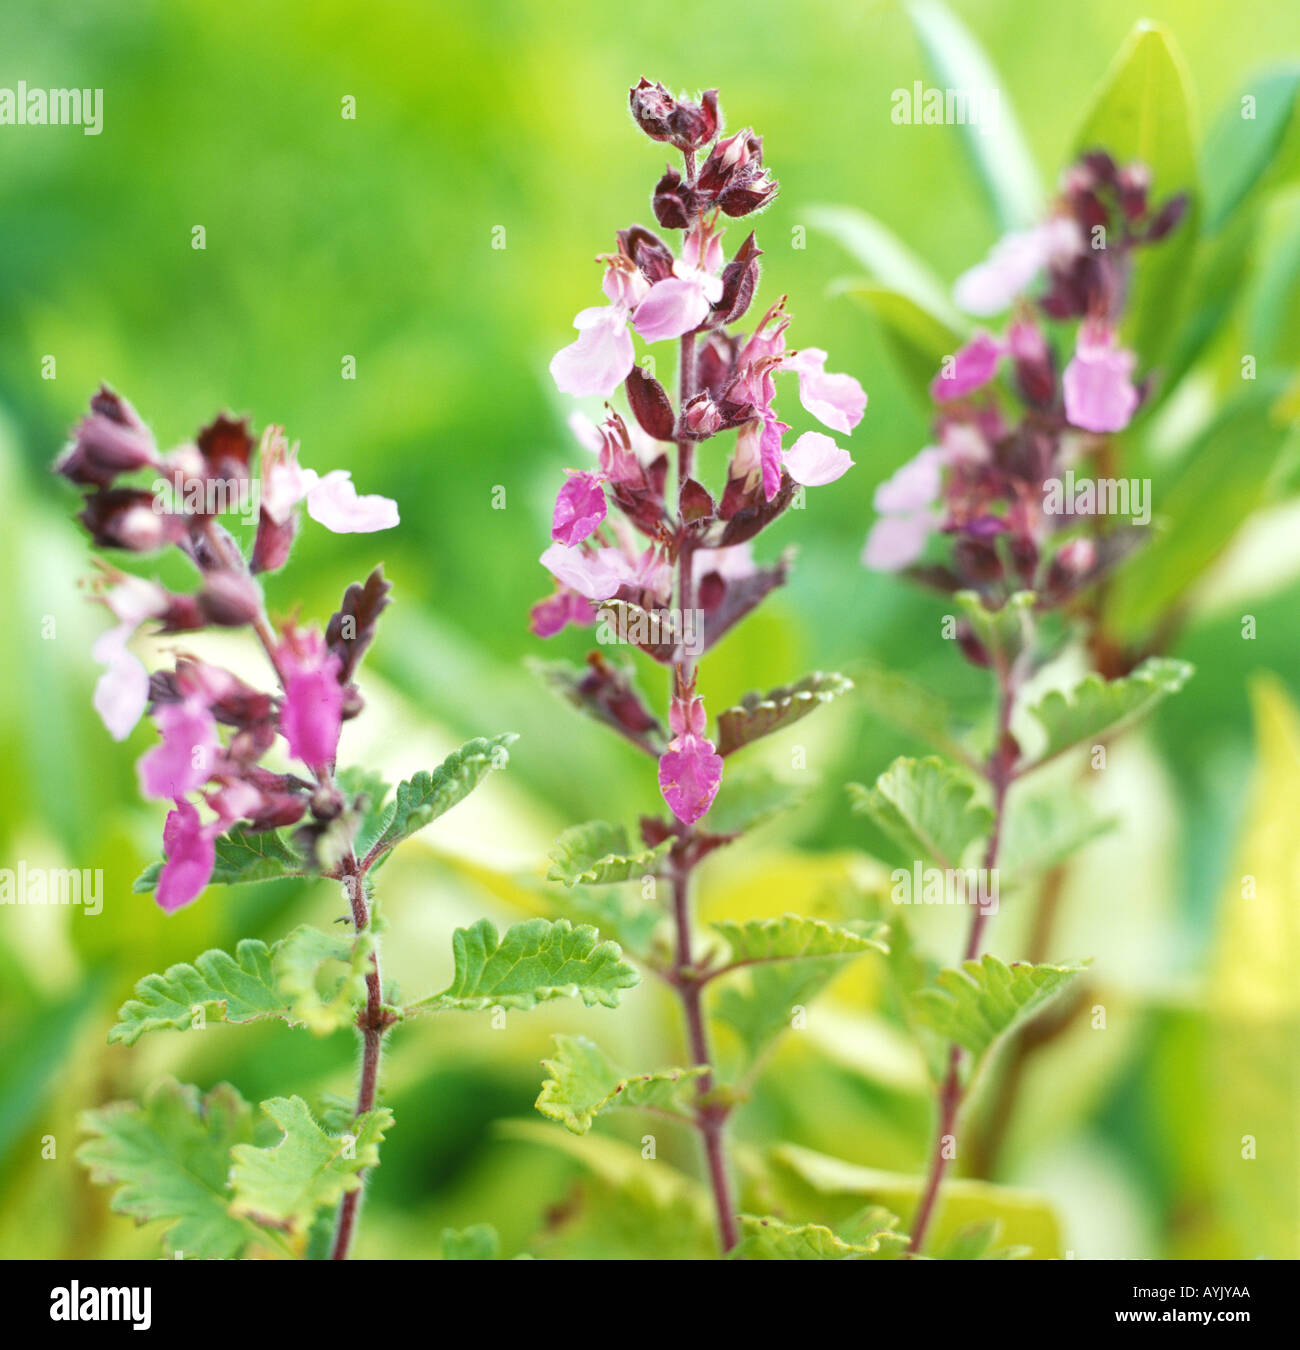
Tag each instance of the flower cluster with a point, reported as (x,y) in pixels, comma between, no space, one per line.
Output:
(630,563)
(1007,418)
(215,729)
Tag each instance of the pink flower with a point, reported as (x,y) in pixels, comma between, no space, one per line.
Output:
(555,613)
(1097,385)
(836,401)
(905,502)
(595,574)
(677,304)
(122,691)
(191,852)
(973,366)
(312,712)
(334,503)
(690,770)
(991,286)
(814,460)
(598,362)
(579,509)
(186,758)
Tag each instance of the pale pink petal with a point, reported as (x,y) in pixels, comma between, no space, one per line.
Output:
(185,759)
(674,306)
(579,509)
(334,503)
(914,485)
(1098,385)
(814,460)
(284,484)
(897,541)
(190,847)
(595,575)
(973,366)
(689,773)
(122,691)
(836,401)
(598,362)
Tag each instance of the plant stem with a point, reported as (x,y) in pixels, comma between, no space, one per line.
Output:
(999,772)
(372,1021)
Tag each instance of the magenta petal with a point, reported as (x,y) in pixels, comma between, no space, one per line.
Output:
(769,453)
(814,460)
(312,714)
(674,306)
(191,853)
(555,613)
(598,362)
(579,509)
(1097,385)
(974,365)
(689,773)
(185,759)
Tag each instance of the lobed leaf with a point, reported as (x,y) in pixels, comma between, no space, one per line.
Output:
(772,1239)
(286,1185)
(242,857)
(1003,632)
(420,800)
(759,715)
(977,1005)
(926,806)
(534,961)
(584,1082)
(793,938)
(224,988)
(322,976)
(168,1159)
(600,854)
(1096,707)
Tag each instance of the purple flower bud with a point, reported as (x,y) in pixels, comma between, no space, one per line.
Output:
(131,519)
(110,441)
(230,599)
(662,117)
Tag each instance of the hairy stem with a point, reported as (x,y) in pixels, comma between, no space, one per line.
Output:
(999,772)
(372,1022)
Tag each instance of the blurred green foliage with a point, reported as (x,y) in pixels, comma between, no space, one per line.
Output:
(374,238)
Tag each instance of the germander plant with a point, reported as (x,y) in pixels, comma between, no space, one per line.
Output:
(670,570)
(257,793)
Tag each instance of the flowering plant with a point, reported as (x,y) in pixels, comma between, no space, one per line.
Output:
(671,577)
(202,1162)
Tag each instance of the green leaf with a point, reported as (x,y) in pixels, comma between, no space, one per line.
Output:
(926,806)
(888,260)
(1228,473)
(1142,113)
(1239,152)
(600,854)
(168,1159)
(1097,707)
(980,1003)
(584,1082)
(242,857)
(918,339)
(997,150)
(367,792)
(792,938)
(758,715)
(772,1239)
(419,801)
(223,988)
(478,1242)
(535,961)
(322,976)
(284,1186)
(975,1243)
(1003,633)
